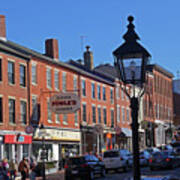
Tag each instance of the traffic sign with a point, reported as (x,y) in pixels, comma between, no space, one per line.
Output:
(29,129)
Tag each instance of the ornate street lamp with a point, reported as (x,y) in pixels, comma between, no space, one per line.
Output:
(130,62)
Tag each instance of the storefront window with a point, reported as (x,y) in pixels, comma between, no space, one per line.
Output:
(25,150)
(8,151)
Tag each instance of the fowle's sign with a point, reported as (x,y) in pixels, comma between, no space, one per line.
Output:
(64,103)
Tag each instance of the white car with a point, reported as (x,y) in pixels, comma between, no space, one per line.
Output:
(114,161)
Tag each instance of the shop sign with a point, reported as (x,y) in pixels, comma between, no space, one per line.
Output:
(98,129)
(12,139)
(54,134)
(64,103)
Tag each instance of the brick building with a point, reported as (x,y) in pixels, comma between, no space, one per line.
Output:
(28,79)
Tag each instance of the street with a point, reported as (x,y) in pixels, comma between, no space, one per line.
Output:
(145,171)
(112,175)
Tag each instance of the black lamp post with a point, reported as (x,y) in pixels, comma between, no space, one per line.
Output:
(130,61)
(43,155)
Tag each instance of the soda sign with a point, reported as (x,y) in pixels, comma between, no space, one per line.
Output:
(64,103)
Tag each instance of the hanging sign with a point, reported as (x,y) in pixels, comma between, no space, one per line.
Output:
(98,129)
(64,103)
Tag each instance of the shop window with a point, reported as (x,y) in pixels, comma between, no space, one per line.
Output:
(25,150)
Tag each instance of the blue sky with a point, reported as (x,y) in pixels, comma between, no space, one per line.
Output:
(101,22)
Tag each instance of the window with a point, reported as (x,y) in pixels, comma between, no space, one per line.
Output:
(112,96)
(123,115)
(99,115)
(93,90)
(112,118)
(122,94)
(99,92)
(34,108)
(104,93)
(49,113)
(64,81)
(34,74)
(105,116)
(75,83)
(1,110)
(117,92)
(10,72)
(83,87)
(48,78)
(12,111)
(76,118)
(0,69)
(56,80)
(22,75)
(118,114)
(23,112)
(94,114)
(127,114)
(84,112)
(57,118)
(65,120)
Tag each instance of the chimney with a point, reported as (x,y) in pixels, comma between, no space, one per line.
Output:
(2,27)
(52,49)
(88,58)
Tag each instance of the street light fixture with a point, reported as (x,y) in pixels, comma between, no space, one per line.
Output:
(130,62)
(43,155)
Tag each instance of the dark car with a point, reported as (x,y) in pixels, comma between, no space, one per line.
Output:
(164,159)
(83,167)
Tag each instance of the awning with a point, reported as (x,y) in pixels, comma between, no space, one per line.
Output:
(127,132)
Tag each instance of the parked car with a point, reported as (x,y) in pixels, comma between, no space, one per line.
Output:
(83,167)
(164,159)
(114,161)
(152,150)
(127,155)
(144,158)
(167,147)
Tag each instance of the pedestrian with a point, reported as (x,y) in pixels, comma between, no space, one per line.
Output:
(23,168)
(33,165)
(5,168)
(12,169)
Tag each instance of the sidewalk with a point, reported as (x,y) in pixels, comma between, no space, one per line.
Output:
(55,176)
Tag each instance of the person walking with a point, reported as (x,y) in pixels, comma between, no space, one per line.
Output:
(12,169)
(5,168)
(24,168)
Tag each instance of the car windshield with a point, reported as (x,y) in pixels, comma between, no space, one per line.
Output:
(91,158)
(76,161)
(111,154)
(124,152)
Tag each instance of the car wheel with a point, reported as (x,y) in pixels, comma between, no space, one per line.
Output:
(103,173)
